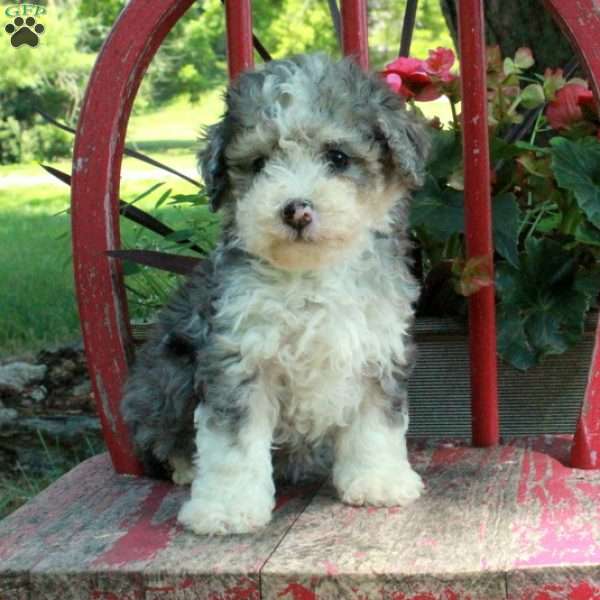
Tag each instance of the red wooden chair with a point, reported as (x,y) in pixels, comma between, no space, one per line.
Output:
(506,522)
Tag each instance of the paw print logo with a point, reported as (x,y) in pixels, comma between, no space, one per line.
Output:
(24,31)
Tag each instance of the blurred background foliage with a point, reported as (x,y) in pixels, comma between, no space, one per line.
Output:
(191,62)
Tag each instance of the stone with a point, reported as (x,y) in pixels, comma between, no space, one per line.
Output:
(8,415)
(16,377)
(39,393)
(82,389)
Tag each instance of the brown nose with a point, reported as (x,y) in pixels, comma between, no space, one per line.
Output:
(297,214)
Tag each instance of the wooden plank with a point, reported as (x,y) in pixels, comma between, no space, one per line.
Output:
(505,522)
(14,588)
(555,525)
(96,534)
(448,544)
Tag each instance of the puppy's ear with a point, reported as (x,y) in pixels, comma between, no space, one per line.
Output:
(213,164)
(405,139)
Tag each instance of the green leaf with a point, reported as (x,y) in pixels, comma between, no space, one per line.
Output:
(146,192)
(163,198)
(542,302)
(505,213)
(446,153)
(130,268)
(180,235)
(439,211)
(532,147)
(502,150)
(576,166)
(548,223)
(524,58)
(532,96)
(512,343)
(586,233)
(188,199)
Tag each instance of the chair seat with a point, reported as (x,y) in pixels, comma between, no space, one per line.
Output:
(506,522)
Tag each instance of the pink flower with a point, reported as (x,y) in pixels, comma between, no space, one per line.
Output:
(565,109)
(439,63)
(408,77)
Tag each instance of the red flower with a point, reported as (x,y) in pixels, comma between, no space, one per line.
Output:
(565,109)
(409,78)
(439,63)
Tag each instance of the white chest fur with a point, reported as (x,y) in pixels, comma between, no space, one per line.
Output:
(315,338)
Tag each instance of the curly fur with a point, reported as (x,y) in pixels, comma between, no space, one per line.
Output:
(296,340)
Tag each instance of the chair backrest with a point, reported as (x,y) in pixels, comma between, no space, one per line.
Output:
(132,43)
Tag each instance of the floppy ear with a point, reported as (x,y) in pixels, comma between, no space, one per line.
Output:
(213,164)
(405,136)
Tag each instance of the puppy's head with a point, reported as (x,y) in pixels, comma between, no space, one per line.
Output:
(310,159)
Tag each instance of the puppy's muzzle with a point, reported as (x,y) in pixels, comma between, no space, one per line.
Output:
(298,214)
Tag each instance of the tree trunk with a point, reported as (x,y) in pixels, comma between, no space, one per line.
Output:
(512,24)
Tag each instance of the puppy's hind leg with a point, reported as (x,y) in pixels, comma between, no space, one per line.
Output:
(233,490)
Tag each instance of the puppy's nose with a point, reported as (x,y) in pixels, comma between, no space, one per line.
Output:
(297,214)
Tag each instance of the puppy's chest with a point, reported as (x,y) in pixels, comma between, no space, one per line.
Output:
(304,330)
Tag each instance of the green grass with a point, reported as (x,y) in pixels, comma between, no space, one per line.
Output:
(37,306)
(52,460)
(180,120)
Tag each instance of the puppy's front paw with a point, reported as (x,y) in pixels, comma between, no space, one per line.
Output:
(221,517)
(378,487)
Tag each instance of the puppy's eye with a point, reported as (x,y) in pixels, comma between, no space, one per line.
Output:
(338,160)
(258,164)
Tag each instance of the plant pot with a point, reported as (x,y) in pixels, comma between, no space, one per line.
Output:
(543,400)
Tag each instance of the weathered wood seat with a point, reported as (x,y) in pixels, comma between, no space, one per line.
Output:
(511,522)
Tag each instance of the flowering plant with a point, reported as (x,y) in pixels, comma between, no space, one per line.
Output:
(545,152)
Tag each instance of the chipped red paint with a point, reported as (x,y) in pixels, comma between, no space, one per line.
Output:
(553,591)
(330,568)
(291,493)
(296,591)
(187,583)
(99,595)
(142,539)
(447,594)
(448,455)
(555,495)
(586,446)
(246,590)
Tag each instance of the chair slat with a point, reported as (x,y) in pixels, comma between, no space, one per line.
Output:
(580,21)
(240,56)
(478,223)
(355,33)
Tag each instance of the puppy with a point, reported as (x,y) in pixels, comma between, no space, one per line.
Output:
(295,333)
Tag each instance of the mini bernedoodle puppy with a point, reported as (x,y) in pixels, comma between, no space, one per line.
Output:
(294,335)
